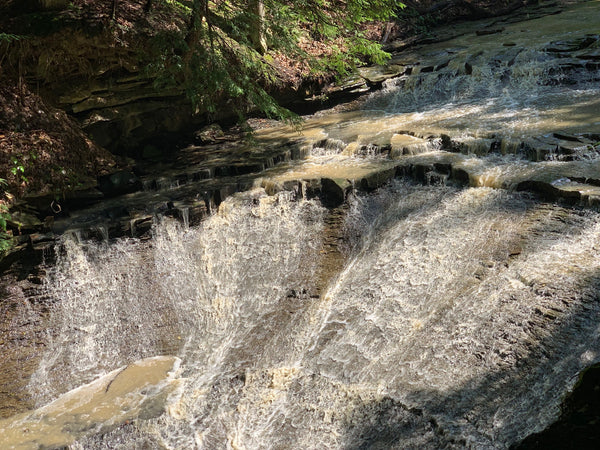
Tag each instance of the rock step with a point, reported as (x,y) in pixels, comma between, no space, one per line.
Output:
(133,215)
(571,182)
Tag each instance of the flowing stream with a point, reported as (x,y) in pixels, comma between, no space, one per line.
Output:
(411,316)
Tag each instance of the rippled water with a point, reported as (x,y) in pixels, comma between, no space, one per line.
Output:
(411,317)
(507,87)
(460,318)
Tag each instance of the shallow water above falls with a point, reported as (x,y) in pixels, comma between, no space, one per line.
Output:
(441,315)
(525,80)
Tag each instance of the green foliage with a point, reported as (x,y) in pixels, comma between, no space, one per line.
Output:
(5,37)
(18,170)
(5,238)
(215,58)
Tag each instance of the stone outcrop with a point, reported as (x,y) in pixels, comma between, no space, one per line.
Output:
(94,70)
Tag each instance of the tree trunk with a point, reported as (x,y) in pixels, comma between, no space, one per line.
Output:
(257,26)
(113,13)
(387,32)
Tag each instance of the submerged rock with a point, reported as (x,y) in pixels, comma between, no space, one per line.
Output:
(334,191)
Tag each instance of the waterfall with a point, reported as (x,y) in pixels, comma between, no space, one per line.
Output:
(447,326)
(400,315)
(188,287)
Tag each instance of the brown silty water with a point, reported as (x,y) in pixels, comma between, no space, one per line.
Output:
(414,316)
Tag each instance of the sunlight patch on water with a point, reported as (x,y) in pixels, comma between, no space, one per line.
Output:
(141,388)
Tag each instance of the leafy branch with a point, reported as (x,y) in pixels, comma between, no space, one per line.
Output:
(220,61)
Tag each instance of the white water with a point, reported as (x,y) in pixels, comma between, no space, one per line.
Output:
(434,334)
(514,89)
(458,318)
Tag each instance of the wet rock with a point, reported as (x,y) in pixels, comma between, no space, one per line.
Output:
(475,146)
(41,242)
(568,148)
(330,145)
(443,168)
(539,150)
(590,54)
(138,226)
(376,75)
(210,134)
(352,85)
(447,143)
(468,68)
(544,189)
(571,190)
(460,176)
(566,136)
(312,188)
(417,171)
(334,191)
(568,66)
(222,193)
(508,57)
(488,31)
(594,137)
(443,65)
(593,201)
(572,45)
(591,66)
(377,179)
(405,144)
(507,146)
(118,183)
(24,222)
(271,187)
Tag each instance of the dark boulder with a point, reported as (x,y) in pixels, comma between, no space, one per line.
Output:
(119,183)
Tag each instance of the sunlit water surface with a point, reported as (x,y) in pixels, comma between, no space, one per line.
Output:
(459,317)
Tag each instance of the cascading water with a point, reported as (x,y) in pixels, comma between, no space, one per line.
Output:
(459,319)
(494,92)
(408,317)
(196,285)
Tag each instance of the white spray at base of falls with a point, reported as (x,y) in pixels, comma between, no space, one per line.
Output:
(191,289)
(461,319)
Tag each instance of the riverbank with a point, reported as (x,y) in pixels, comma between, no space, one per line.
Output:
(86,63)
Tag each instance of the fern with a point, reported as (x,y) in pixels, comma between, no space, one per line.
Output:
(5,37)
